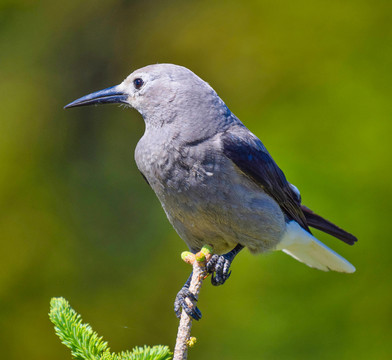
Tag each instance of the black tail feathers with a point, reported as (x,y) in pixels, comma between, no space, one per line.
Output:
(317,222)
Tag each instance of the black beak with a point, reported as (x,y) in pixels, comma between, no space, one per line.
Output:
(107,96)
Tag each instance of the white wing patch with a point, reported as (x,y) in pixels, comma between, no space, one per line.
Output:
(296,191)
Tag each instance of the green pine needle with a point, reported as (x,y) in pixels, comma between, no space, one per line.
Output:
(158,352)
(86,344)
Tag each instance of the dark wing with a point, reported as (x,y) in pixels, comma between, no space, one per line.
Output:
(247,152)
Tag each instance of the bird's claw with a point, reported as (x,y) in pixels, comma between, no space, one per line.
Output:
(189,307)
(220,265)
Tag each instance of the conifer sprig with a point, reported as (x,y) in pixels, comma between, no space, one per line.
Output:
(86,344)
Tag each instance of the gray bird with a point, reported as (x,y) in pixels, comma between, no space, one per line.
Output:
(216,181)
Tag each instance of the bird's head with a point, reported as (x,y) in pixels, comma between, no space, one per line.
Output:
(159,92)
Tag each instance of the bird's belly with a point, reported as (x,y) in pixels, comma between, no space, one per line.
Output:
(223,211)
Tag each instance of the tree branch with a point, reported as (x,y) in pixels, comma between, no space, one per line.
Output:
(198,262)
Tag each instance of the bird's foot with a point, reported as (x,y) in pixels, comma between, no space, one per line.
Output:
(186,301)
(220,265)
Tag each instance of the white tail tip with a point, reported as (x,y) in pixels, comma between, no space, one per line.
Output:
(304,247)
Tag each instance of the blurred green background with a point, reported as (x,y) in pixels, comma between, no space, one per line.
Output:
(311,78)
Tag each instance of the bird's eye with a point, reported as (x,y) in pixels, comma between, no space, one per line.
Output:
(138,83)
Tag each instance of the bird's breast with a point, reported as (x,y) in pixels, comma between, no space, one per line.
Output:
(172,168)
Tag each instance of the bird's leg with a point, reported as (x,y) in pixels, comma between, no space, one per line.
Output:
(220,264)
(181,303)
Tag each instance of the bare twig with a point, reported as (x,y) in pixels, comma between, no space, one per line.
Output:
(184,339)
